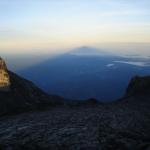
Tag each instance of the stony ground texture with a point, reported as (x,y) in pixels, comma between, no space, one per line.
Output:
(91,127)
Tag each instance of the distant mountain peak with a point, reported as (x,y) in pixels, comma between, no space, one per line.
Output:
(87,51)
(84,47)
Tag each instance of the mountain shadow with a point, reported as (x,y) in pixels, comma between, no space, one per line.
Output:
(86,72)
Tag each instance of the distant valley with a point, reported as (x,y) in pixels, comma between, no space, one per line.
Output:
(87,72)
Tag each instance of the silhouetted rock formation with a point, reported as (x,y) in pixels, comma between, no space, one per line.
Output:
(139,85)
(129,127)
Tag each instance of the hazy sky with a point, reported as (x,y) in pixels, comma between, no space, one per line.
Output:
(26,25)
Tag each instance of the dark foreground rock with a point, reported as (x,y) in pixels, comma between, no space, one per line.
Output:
(115,126)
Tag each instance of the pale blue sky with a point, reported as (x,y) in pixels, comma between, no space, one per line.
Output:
(55,24)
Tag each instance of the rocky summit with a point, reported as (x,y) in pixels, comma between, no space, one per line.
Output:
(120,125)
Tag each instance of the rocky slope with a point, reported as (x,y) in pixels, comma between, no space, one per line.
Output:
(129,127)
(139,86)
(18,94)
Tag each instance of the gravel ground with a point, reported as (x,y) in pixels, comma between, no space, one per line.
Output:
(90,127)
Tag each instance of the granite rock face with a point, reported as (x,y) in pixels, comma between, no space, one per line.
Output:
(4,76)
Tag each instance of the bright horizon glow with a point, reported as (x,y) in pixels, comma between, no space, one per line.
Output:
(59,24)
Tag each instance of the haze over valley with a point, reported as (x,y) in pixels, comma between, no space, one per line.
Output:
(84,72)
(87,72)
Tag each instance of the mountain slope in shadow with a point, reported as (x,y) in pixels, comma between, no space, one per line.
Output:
(19,94)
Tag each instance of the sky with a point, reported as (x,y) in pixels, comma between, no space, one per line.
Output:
(54,25)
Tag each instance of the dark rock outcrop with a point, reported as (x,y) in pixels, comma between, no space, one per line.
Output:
(22,95)
(138,86)
(130,128)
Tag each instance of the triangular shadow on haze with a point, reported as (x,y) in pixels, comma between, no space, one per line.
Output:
(83,73)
